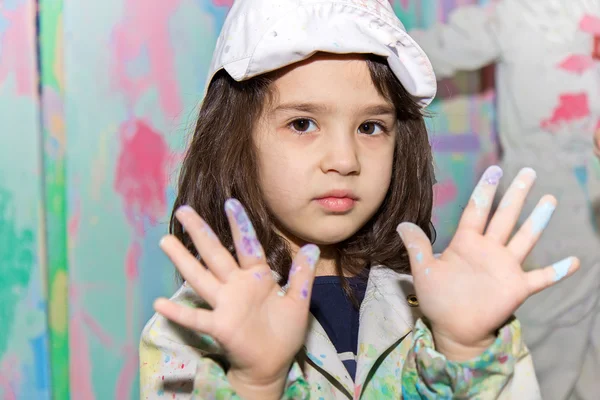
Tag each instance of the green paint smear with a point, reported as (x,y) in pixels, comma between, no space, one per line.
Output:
(51,15)
(17,257)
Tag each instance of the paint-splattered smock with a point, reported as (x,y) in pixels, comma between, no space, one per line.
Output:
(396,358)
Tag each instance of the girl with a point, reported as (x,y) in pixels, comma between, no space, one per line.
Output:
(547,57)
(313,120)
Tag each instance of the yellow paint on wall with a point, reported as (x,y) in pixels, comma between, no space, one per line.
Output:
(58,302)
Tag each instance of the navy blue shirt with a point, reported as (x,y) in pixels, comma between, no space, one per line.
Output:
(335,312)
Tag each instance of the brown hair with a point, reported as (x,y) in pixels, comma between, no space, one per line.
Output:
(221,163)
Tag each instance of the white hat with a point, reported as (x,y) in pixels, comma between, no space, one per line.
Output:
(260,36)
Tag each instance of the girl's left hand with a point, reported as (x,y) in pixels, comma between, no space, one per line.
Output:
(477,283)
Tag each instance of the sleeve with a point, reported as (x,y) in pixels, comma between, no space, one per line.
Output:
(504,371)
(180,364)
(467,42)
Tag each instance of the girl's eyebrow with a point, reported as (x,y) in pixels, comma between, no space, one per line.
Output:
(382,109)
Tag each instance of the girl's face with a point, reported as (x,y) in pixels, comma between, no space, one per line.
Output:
(325,149)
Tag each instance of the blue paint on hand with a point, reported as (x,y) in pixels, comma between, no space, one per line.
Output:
(561,268)
(541,217)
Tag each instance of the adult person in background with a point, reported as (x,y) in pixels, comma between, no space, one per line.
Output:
(547,59)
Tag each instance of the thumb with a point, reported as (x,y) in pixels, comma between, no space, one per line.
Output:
(417,244)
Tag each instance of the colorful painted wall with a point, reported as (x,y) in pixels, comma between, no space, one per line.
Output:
(87,165)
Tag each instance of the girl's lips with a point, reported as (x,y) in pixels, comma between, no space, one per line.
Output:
(336,204)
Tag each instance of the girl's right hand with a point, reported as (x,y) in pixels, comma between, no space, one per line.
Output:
(260,328)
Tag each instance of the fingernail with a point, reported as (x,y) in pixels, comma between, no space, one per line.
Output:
(304,291)
(492,175)
(540,217)
(249,243)
(312,253)
(404,226)
(185,209)
(528,171)
(561,268)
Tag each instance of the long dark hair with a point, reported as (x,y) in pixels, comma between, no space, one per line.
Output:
(221,162)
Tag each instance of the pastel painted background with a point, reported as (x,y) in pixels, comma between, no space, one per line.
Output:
(96,99)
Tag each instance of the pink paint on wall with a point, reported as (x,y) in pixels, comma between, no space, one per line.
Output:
(81,366)
(223,3)
(141,177)
(18,35)
(571,107)
(124,387)
(404,4)
(131,262)
(444,192)
(9,377)
(150,38)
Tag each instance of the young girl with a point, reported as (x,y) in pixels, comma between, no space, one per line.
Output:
(313,121)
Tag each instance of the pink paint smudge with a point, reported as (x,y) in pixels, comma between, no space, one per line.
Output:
(9,377)
(571,107)
(141,179)
(357,391)
(222,3)
(404,4)
(141,176)
(94,327)
(131,261)
(18,48)
(577,63)
(590,24)
(128,373)
(81,366)
(444,192)
(145,32)
(75,220)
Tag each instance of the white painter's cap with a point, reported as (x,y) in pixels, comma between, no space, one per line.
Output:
(260,36)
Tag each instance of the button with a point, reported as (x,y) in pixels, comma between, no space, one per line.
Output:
(412,300)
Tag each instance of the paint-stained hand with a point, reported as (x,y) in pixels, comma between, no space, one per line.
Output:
(260,327)
(478,282)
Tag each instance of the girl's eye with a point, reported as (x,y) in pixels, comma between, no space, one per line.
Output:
(370,128)
(303,125)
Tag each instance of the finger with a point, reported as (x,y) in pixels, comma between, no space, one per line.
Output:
(216,257)
(540,279)
(302,273)
(248,249)
(504,220)
(529,233)
(196,319)
(476,213)
(417,244)
(196,275)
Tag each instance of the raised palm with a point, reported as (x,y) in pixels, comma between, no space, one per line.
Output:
(477,283)
(251,316)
